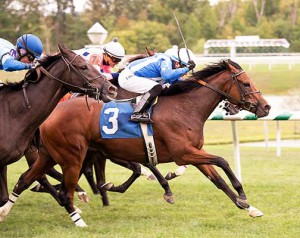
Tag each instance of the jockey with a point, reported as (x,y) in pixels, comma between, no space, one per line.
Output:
(147,75)
(20,57)
(105,59)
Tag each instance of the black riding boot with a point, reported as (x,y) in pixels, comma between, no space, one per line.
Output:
(140,113)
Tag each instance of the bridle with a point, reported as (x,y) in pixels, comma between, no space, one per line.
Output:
(86,89)
(87,85)
(242,103)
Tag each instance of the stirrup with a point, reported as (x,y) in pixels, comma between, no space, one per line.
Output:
(140,117)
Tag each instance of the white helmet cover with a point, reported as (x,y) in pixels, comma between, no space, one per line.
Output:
(114,49)
(182,55)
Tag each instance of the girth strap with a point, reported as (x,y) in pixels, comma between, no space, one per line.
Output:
(150,145)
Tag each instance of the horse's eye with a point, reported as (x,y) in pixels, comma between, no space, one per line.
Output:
(84,67)
(246,84)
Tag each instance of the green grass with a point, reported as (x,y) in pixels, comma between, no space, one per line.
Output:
(278,81)
(200,210)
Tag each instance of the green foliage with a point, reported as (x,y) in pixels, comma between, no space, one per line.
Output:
(198,20)
(143,34)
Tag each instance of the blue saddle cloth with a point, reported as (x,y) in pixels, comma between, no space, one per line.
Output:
(114,122)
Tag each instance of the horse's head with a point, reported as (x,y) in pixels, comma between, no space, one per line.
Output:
(84,77)
(243,93)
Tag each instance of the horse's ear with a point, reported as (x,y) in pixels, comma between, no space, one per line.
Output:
(61,48)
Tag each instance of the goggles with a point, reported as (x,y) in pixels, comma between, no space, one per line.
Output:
(114,59)
(23,53)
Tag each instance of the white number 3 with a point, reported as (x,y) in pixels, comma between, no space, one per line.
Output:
(113,120)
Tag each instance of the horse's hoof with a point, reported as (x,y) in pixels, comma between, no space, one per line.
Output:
(107,186)
(36,187)
(80,223)
(169,199)
(83,197)
(170,176)
(78,210)
(151,177)
(254,212)
(3,213)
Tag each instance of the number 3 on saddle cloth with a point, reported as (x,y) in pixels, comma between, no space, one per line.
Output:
(115,124)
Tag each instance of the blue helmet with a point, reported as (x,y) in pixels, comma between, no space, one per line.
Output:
(32,44)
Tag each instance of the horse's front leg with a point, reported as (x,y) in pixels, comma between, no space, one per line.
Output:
(35,172)
(3,185)
(168,196)
(210,172)
(71,174)
(204,162)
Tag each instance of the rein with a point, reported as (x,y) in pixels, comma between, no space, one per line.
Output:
(242,103)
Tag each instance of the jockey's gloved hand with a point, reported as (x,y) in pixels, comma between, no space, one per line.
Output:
(191,64)
(35,64)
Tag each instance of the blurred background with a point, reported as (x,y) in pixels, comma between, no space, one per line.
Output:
(140,23)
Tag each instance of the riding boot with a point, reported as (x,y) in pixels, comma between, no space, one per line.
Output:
(140,113)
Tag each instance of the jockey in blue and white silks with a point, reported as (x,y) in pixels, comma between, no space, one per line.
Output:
(19,57)
(148,74)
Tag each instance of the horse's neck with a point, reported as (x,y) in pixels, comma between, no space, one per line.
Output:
(202,102)
(50,91)
(43,96)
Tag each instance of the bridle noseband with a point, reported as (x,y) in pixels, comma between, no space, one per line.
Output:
(243,104)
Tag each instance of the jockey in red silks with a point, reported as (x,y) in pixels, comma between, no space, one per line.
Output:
(103,59)
(106,58)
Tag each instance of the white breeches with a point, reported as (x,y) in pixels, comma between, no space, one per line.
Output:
(133,83)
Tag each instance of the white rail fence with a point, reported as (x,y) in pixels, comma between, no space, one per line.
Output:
(244,115)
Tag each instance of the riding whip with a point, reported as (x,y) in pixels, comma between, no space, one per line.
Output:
(177,22)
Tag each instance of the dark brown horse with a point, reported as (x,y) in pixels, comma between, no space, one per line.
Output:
(24,106)
(178,120)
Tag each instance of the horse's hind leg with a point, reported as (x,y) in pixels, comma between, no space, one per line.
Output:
(99,166)
(3,186)
(71,174)
(136,169)
(168,196)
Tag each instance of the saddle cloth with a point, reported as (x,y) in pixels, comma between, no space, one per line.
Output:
(114,122)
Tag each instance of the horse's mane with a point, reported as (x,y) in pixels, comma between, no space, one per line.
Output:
(191,82)
(31,75)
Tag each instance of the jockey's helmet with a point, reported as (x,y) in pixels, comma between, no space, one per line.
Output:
(31,43)
(172,51)
(114,49)
(182,55)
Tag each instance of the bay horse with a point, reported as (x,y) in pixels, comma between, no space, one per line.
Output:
(25,105)
(96,161)
(178,121)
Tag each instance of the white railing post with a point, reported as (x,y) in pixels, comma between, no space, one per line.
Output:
(237,157)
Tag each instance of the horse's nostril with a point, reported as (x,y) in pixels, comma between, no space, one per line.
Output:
(112,89)
(267,107)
